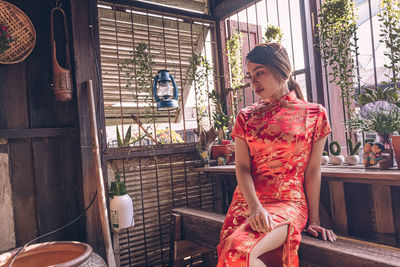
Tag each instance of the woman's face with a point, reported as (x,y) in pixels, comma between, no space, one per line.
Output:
(262,81)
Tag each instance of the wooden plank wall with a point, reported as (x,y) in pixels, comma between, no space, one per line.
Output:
(43,163)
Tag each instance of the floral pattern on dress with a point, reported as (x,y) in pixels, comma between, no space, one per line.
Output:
(279,134)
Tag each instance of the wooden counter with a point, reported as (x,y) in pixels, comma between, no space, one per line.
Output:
(379,181)
(355,174)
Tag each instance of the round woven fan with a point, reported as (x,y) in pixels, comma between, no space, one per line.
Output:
(22,31)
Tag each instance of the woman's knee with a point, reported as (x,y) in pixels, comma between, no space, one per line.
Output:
(270,241)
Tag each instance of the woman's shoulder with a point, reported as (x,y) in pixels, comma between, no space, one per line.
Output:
(313,107)
(251,110)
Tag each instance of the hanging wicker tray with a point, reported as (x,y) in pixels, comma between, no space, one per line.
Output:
(21,29)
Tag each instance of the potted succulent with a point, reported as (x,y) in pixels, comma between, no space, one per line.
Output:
(335,149)
(325,158)
(352,158)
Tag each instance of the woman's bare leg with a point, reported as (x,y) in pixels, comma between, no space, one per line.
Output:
(271,241)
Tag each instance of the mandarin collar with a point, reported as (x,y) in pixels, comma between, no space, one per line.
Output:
(285,99)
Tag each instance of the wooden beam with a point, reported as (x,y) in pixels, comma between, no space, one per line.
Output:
(86,57)
(227,7)
(126,153)
(37,132)
(161,9)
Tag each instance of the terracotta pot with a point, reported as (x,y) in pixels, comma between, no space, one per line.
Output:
(67,253)
(222,150)
(396,148)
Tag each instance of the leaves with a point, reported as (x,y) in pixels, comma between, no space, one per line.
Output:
(234,53)
(336,33)
(199,71)
(273,34)
(389,17)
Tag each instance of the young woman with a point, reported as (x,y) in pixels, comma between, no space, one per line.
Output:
(279,143)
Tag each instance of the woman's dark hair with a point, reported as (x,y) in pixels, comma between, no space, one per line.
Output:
(276,59)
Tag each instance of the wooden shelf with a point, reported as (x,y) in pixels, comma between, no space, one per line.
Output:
(351,174)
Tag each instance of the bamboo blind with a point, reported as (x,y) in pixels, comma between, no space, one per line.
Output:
(155,191)
(171,39)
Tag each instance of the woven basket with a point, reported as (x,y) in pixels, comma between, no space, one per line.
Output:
(21,29)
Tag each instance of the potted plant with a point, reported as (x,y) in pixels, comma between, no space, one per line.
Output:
(380,117)
(335,149)
(325,158)
(224,146)
(352,158)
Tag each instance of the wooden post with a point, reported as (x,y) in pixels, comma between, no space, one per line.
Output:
(101,194)
(383,213)
(338,206)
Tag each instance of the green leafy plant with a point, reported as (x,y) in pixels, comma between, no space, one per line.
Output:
(220,118)
(127,137)
(380,117)
(273,34)
(389,94)
(353,150)
(138,69)
(389,18)
(336,33)
(324,153)
(234,53)
(335,148)
(199,71)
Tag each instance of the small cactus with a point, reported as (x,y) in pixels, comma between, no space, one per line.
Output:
(334,148)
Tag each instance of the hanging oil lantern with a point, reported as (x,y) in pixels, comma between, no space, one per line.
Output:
(165,91)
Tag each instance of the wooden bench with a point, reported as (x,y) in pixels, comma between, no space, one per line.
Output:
(195,232)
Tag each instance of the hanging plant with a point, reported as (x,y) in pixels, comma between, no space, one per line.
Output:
(273,34)
(138,69)
(234,53)
(220,118)
(199,71)
(336,31)
(389,18)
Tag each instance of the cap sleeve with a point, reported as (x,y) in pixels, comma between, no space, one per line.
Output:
(322,127)
(239,129)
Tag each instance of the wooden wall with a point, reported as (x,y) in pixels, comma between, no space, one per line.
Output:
(42,137)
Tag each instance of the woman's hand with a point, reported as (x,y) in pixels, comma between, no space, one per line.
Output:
(260,220)
(315,230)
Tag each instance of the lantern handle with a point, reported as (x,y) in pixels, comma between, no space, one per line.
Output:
(175,87)
(155,88)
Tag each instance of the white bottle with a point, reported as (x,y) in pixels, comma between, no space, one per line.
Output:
(121,207)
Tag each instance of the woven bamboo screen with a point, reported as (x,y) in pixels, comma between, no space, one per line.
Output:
(155,191)
(171,40)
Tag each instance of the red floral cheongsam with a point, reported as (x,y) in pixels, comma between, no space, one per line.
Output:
(279,134)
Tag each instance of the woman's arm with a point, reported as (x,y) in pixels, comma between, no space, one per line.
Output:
(259,220)
(313,188)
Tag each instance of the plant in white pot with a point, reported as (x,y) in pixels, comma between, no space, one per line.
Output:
(325,158)
(352,158)
(335,149)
